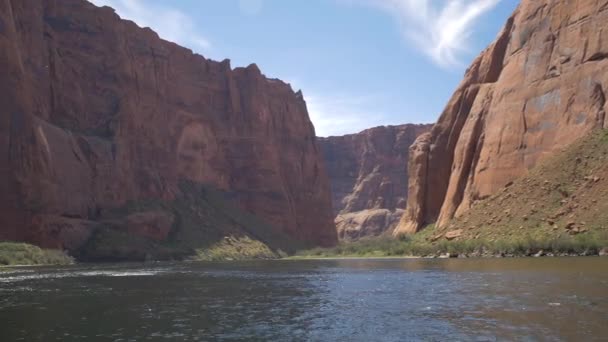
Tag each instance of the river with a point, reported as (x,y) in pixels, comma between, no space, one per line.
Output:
(536,299)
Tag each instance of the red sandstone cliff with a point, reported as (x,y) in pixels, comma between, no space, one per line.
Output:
(368,178)
(97,113)
(540,86)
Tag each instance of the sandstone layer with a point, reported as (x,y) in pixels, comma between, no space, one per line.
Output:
(98,114)
(368,178)
(540,86)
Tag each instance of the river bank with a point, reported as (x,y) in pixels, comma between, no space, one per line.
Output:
(584,245)
(21,254)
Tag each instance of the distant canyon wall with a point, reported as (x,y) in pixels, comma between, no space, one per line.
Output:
(368,177)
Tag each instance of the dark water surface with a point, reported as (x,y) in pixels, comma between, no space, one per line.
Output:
(330,300)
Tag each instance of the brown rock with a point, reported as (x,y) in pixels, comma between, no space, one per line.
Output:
(365,223)
(539,87)
(448,255)
(369,187)
(435,237)
(451,235)
(97,112)
(417,197)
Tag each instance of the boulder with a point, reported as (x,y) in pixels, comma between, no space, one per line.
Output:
(366,223)
(451,235)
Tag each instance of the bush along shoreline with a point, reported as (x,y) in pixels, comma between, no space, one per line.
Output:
(411,247)
(23,254)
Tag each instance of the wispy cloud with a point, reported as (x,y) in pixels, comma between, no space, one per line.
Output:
(439,28)
(170,23)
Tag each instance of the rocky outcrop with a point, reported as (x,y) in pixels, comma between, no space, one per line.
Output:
(98,114)
(368,178)
(539,87)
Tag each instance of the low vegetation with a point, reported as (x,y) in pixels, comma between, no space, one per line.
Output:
(12,253)
(237,248)
(418,246)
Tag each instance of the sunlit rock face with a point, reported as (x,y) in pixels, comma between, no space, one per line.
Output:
(540,86)
(368,177)
(97,112)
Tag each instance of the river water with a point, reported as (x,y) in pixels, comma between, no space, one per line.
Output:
(543,299)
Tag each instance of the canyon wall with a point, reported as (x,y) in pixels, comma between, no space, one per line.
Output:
(539,87)
(368,178)
(98,113)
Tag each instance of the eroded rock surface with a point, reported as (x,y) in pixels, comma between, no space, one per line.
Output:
(97,113)
(539,87)
(368,178)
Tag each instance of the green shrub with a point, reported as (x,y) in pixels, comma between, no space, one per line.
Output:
(388,247)
(14,253)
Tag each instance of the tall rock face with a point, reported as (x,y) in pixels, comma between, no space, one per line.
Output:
(540,86)
(97,113)
(368,178)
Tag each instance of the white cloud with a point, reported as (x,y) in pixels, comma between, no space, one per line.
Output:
(439,28)
(339,114)
(170,23)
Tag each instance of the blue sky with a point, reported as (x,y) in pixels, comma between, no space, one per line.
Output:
(359,63)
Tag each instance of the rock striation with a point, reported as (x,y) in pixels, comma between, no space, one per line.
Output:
(98,113)
(368,178)
(539,87)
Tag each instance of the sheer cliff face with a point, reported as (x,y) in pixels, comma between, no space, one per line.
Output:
(97,112)
(540,86)
(368,178)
